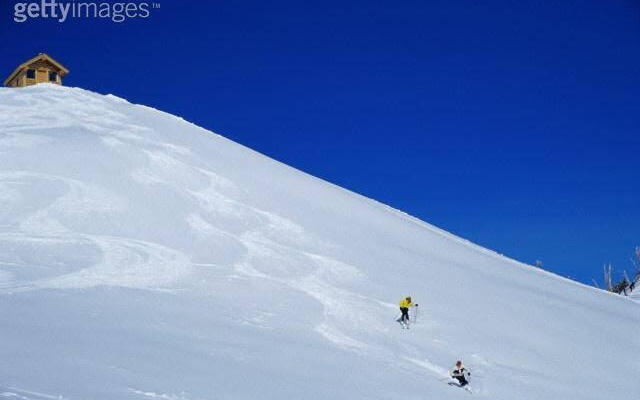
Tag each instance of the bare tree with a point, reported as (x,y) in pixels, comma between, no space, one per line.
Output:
(636,263)
(608,281)
(626,277)
(626,284)
(619,287)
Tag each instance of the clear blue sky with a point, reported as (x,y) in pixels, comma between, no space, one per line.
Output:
(513,124)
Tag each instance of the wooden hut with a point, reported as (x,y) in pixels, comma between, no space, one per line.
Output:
(39,69)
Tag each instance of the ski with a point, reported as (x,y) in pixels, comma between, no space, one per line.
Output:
(465,387)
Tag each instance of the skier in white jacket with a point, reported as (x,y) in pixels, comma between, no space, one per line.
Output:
(460,373)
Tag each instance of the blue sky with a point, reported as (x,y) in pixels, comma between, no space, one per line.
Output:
(513,124)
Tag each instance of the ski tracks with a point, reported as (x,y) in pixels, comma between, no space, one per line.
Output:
(121,261)
(10,392)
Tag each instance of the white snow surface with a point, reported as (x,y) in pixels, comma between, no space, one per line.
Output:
(143,257)
(635,294)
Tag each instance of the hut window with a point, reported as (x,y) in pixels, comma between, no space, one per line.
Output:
(53,76)
(31,74)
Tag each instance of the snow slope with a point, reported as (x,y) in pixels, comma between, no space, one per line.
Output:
(635,294)
(143,257)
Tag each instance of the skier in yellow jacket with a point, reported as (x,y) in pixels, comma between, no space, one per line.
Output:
(404,309)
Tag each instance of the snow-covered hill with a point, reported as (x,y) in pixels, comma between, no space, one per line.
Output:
(144,257)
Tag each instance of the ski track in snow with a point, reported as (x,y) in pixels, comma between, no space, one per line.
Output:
(23,394)
(161,396)
(126,262)
(339,305)
(259,246)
